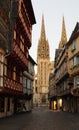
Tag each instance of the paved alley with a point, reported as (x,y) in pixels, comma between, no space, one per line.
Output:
(41,119)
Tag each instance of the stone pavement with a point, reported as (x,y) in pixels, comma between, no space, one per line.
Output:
(41,119)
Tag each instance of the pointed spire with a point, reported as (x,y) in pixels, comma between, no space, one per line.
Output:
(63,34)
(43,35)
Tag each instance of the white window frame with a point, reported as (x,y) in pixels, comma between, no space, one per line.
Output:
(73,47)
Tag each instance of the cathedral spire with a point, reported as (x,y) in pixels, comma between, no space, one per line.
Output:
(63,34)
(43,35)
(43,45)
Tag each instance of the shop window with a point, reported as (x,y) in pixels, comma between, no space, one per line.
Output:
(14,73)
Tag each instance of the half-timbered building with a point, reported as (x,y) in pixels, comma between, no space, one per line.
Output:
(16,20)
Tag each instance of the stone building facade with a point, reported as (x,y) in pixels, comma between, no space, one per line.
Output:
(63,89)
(43,62)
(58,78)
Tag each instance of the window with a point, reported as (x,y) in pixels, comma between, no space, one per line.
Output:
(72,63)
(73,46)
(65,66)
(24,82)
(35,81)
(76,81)
(14,73)
(21,46)
(1,57)
(22,43)
(21,77)
(15,34)
(1,69)
(9,69)
(5,69)
(36,90)
(75,61)
(1,74)
(17,74)
(28,84)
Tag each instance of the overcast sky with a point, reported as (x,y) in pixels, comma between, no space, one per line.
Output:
(53,11)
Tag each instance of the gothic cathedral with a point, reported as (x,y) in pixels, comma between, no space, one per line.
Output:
(43,65)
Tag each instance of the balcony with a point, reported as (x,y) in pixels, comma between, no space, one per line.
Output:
(61,74)
(12,86)
(67,91)
(61,77)
(74,70)
(65,88)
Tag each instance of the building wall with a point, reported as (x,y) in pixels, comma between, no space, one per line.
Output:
(43,79)
(67,75)
(8,107)
(73,50)
(16,20)
(73,66)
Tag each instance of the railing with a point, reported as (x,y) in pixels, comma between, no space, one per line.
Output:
(12,84)
(66,91)
(62,75)
(74,70)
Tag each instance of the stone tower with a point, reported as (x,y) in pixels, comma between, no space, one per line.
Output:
(43,60)
(63,35)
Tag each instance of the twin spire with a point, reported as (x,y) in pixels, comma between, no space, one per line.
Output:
(63,35)
(63,40)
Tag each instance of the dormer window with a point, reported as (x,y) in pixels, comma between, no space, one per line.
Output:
(75,61)
(73,47)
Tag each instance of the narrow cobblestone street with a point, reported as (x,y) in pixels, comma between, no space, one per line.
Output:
(41,119)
